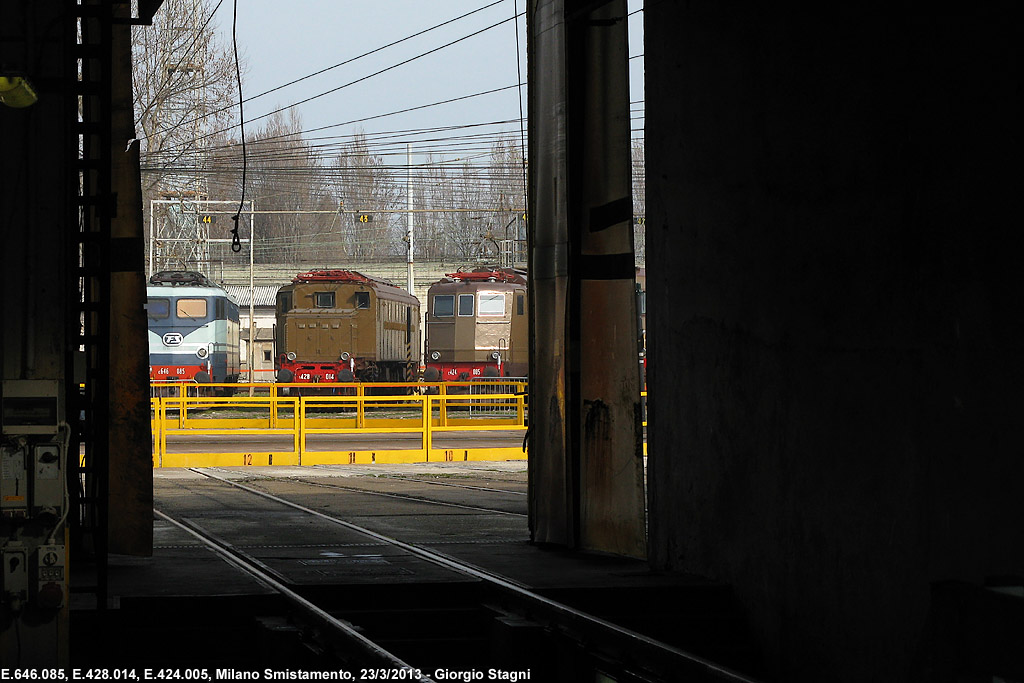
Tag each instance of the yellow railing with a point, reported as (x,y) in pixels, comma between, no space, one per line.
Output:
(273,425)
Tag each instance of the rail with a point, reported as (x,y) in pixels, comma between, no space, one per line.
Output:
(345,423)
(583,646)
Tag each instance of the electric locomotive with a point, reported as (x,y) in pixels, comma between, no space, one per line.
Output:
(193,329)
(341,326)
(477,325)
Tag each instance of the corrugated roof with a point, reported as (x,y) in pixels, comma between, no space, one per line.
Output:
(263,295)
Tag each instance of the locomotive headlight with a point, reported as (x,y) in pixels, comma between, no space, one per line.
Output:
(435,355)
(202,352)
(345,355)
(291,355)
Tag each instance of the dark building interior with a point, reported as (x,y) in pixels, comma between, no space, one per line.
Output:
(835,353)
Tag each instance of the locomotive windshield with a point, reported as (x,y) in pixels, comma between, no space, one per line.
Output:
(492,303)
(191,308)
(158,308)
(465,304)
(362,299)
(444,305)
(325,299)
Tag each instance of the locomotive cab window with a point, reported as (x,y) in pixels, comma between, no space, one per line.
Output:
(158,308)
(284,302)
(492,304)
(324,299)
(194,309)
(444,305)
(221,308)
(519,304)
(362,299)
(465,304)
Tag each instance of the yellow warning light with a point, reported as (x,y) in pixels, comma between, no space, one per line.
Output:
(16,91)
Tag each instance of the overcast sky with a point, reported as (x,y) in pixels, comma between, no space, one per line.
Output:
(282,42)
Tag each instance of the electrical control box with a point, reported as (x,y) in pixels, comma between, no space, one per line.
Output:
(49,565)
(31,406)
(15,573)
(14,479)
(47,482)
(31,417)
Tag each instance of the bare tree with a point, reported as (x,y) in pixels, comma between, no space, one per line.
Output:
(363,184)
(286,175)
(184,80)
(445,230)
(639,200)
(507,187)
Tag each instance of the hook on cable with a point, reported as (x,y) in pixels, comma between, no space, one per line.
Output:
(236,241)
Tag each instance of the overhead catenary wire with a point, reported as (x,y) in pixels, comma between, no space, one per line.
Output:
(340,64)
(374,51)
(273,163)
(395,133)
(363,78)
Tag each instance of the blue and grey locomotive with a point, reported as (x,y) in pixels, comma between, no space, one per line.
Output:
(193,329)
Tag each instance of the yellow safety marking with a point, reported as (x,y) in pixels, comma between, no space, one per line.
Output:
(242,459)
(470,454)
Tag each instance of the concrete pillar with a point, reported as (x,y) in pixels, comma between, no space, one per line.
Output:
(586,462)
(130,521)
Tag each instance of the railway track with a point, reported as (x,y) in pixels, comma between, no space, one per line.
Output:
(460,486)
(480,622)
(408,497)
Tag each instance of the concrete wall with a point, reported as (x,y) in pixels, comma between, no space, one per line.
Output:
(834,311)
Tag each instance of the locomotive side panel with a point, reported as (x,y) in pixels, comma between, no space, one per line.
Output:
(519,341)
(397,328)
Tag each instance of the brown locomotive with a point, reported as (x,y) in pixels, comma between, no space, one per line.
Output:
(477,325)
(340,326)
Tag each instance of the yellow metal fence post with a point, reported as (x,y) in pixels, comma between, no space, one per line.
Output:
(163,429)
(273,406)
(442,406)
(154,404)
(182,394)
(428,419)
(300,426)
(360,407)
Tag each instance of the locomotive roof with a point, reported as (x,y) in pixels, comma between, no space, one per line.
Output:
(487,275)
(180,291)
(181,278)
(384,288)
(338,275)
